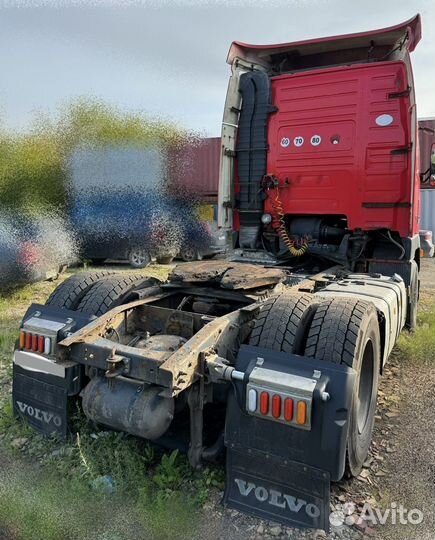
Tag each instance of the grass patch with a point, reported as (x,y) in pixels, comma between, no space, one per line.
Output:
(419,346)
(8,336)
(108,486)
(38,506)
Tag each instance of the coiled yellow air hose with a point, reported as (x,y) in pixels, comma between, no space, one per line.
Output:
(282,230)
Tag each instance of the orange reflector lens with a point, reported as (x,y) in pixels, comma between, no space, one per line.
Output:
(301,415)
(22,340)
(288,409)
(41,344)
(264,402)
(34,342)
(28,341)
(276,406)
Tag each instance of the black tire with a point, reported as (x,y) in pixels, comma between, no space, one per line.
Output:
(190,254)
(346,331)
(283,322)
(412,307)
(111,291)
(69,293)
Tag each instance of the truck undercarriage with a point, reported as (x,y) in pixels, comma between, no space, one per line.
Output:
(222,355)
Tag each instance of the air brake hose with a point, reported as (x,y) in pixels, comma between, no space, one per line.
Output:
(282,230)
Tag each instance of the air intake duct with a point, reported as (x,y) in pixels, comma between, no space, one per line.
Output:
(252,148)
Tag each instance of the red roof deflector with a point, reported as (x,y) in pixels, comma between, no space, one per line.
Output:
(385,36)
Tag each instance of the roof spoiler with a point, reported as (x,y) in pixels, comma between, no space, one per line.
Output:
(409,31)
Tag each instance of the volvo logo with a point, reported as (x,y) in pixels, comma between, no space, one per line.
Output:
(39,414)
(277,498)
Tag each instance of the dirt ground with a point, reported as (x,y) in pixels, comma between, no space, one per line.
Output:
(400,469)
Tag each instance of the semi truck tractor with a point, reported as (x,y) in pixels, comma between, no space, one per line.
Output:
(271,358)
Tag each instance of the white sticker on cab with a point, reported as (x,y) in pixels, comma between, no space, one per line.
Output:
(384,120)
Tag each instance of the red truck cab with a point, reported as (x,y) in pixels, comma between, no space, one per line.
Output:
(320,153)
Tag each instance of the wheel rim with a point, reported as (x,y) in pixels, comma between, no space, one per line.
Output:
(365,387)
(139,257)
(189,254)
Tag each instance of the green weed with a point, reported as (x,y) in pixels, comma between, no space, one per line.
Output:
(419,346)
(170,473)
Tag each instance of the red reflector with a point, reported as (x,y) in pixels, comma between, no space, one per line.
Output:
(22,340)
(264,402)
(34,342)
(288,409)
(28,341)
(276,406)
(41,344)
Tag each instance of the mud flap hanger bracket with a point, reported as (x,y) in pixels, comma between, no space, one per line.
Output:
(219,370)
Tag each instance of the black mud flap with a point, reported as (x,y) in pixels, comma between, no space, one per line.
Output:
(278,470)
(279,490)
(42,399)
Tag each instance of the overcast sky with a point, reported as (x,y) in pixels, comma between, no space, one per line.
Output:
(168,57)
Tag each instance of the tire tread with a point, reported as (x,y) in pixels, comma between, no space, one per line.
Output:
(70,292)
(333,333)
(109,292)
(278,325)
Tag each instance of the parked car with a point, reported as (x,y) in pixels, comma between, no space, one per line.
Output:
(212,242)
(32,249)
(426,243)
(140,227)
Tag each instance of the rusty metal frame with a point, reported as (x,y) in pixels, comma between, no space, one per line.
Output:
(221,336)
(178,372)
(113,318)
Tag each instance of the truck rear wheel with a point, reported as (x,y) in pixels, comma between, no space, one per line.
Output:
(69,293)
(111,291)
(346,331)
(283,321)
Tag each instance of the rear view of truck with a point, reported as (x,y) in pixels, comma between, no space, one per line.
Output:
(272,357)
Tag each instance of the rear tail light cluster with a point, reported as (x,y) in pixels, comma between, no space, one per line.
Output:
(40,335)
(281,407)
(35,342)
(280,396)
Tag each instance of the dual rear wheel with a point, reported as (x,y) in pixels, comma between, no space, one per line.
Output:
(95,293)
(340,330)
